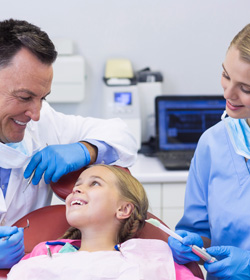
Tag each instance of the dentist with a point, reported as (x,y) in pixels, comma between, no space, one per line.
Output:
(217,202)
(33,136)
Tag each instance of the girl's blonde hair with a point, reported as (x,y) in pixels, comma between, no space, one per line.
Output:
(242,42)
(131,190)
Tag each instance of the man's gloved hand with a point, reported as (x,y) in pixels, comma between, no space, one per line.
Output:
(11,249)
(56,160)
(233,263)
(182,253)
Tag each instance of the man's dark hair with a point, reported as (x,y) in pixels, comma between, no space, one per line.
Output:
(18,34)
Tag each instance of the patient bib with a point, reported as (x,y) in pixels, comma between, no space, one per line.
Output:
(138,259)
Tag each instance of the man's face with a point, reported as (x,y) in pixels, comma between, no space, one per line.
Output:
(23,86)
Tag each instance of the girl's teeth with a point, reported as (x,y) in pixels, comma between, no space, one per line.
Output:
(78,202)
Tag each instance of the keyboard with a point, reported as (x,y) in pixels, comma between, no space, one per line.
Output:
(176,160)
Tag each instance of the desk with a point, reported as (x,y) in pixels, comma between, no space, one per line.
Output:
(165,189)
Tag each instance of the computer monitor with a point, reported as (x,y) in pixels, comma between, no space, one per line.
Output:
(181,119)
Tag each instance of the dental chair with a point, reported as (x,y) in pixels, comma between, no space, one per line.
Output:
(49,223)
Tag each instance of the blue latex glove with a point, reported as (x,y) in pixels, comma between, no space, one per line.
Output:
(56,160)
(12,249)
(182,253)
(233,263)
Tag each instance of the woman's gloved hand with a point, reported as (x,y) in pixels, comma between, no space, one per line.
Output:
(56,160)
(182,253)
(11,249)
(233,263)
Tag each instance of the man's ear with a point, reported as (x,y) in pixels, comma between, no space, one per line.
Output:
(125,210)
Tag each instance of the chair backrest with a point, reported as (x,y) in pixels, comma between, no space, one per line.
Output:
(46,223)
(49,223)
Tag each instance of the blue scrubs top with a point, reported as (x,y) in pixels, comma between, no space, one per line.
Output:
(217,200)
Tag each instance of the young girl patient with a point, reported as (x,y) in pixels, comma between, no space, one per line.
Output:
(106,209)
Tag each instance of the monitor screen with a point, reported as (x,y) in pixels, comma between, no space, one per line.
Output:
(123,98)
(182,119)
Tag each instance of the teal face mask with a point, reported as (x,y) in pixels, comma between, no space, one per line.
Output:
(20,146)
(239,133)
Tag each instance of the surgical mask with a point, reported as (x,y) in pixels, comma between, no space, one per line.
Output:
(20,146)
(239,133)
(16,155)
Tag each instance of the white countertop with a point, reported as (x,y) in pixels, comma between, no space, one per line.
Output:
(150,170)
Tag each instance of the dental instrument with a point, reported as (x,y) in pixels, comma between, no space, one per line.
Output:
(156,223)
(30,179)
(201,252)
(32,175)
(48,250)
(7,237)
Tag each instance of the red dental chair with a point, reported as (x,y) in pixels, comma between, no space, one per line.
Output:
(49,223)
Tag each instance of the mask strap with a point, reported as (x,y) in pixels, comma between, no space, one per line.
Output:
(224,115)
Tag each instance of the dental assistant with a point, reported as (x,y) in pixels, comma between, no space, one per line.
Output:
(33,136)
(217,200)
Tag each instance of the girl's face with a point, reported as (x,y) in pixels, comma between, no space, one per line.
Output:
(94,200)
(235,81)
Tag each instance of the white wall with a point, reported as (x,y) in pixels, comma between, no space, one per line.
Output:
(184,39)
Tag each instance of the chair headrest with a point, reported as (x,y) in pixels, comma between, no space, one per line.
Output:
(63,187)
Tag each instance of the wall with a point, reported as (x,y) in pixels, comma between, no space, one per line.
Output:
(185,40)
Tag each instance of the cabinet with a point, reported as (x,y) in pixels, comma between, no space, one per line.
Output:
(165,189)
(172,202)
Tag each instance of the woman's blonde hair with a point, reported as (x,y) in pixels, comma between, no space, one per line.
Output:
(242,42)
(132,191)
